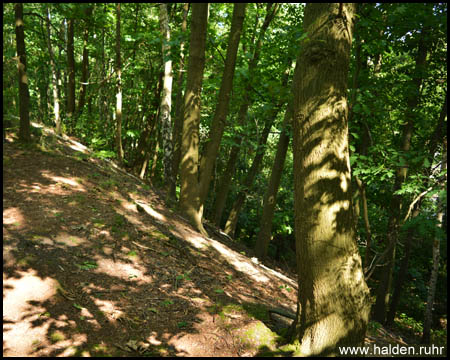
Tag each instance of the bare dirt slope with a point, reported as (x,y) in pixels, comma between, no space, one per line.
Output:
(95,264)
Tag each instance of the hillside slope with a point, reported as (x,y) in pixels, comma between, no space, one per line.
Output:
(95,264)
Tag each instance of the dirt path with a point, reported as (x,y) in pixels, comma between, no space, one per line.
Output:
(94,264)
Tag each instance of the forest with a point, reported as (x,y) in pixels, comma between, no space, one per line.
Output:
(224,179)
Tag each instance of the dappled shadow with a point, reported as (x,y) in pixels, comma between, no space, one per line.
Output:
(86,272)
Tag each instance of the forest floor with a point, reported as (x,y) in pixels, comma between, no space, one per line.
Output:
(95,264)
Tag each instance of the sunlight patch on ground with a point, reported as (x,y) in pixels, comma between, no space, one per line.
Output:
(69,240)
(149,210)
(19,332)
(13,216)
(68,181)
(122,270)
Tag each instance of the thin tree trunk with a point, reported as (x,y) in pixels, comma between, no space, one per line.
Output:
(166,99)
(219,121)
(85,64)
(384,289)
(178,125)
(119,90)
(189,195)
(24,94)
(71,71)
(226,178)
(270,196)
(333,298)
(438,135)
(54,77)
(428,317)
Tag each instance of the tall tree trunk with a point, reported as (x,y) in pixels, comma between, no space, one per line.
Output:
(270,196)
(219,121)
(225,182)
(54,77)
(85,64)
(178,125)
(71,71)
(189,195)
(333,298)
(230,225)
(438,135)
(426,337)
(119,90)
(24,94)
(384,289)
(166,99)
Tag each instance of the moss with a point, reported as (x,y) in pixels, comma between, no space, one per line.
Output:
(258,336)
(57,336)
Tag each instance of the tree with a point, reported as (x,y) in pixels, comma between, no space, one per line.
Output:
(85,64)
(384,289)
(220,115)
(120,153)
(71,71)
(225,182)
(189,195)
(166,98)
(426,337)
(178,124)
(270,196)
(24,95)
(333,298)
(55,77)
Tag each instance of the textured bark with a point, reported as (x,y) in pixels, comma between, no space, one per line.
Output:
(270,196)
(178,125)
(71,71)
(384,289)
(189,195)
(119,90)
(166,98)
(219,121)
(24,95)
(333,298)
(54,77)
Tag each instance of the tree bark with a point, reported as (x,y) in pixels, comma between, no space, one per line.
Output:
(189,195)
(166,99)
(71,71)
(24,94)
(85,64)
(54,77)
(333,298)
(178,125)
(119,90)
(219,121)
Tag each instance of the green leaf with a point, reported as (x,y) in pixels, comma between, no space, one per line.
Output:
(75,305)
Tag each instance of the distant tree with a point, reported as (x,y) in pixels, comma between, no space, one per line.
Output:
(55,76)
(71,71)
(166,98)
(24,95)
(119,89)
(221,112)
